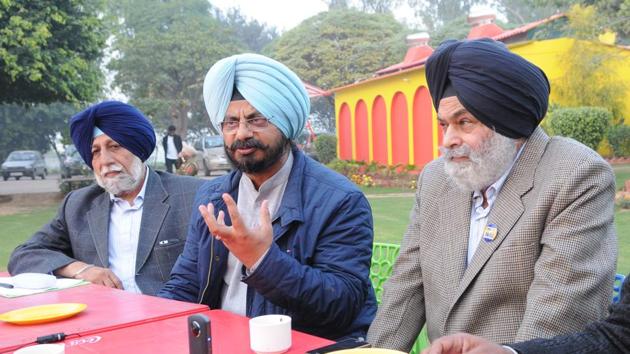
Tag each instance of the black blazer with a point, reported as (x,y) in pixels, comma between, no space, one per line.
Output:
(176,139)
(608,336)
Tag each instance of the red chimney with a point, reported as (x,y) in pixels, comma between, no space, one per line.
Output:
(418,44)
(483,25)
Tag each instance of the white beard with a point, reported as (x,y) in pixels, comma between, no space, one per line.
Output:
(486,165)
(125,181)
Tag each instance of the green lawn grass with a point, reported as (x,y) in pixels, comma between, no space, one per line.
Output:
(15,229)
(622,174)
(391,216)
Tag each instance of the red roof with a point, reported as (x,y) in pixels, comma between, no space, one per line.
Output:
(525,28)
(485,30)
(414,57)
(499,36)
(314,91)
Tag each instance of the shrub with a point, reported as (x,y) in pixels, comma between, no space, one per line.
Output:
(619,140)
(584,124)
(326,148)
(68,185)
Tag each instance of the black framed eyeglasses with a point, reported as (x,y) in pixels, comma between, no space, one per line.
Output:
(254,124)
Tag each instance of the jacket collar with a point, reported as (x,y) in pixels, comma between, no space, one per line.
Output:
(291,206)
(506,212)
(154,212)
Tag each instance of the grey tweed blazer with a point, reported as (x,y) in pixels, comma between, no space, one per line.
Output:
(548,272)
(79,231)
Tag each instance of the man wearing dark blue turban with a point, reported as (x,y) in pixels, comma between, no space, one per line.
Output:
(127,230)
(512,234)
(281,234)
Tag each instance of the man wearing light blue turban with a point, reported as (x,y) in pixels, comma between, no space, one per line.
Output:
(281,234)
(124,231)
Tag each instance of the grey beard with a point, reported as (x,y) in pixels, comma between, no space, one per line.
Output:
(125,182)
(486,165)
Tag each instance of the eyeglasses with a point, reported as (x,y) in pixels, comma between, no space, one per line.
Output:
(254,124)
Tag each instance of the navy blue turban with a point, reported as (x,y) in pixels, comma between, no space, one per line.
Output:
(501,89)
(124,123)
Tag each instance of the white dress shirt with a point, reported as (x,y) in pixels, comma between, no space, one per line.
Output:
(479,214)
(234,291)
(171,150)
(124,231)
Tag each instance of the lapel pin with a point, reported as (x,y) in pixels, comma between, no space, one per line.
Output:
(490,233)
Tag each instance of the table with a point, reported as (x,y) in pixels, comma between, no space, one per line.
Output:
(108,309)
(230,335)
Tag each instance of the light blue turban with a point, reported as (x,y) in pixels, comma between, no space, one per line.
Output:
(274,90)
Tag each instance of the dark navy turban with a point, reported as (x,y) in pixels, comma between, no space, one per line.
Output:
(501,89)
(124,123)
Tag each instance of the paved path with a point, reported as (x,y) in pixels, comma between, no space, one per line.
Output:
(48,185)
(27,185)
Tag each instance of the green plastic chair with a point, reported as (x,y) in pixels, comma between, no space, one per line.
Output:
(383,257)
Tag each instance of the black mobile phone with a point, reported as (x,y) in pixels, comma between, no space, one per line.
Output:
(343,344)
(199,335)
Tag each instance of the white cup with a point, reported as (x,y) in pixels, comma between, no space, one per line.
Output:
(43,349)
(270,334)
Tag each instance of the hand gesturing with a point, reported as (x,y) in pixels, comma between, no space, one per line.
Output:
(246,244)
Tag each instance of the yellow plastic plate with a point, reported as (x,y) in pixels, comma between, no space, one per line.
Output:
(42,313)
(367,351)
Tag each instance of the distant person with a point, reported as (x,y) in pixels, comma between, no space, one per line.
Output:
(511,236)
(172,144)
(609,336)
(125,232)
(281,234)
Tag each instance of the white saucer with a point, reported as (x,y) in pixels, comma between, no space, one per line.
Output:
(34,281)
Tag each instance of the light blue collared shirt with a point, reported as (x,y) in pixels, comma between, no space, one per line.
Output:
(123,235)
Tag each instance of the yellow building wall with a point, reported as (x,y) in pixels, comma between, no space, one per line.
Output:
(546,54)
(406,83)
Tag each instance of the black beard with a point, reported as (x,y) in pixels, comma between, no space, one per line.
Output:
(249,164)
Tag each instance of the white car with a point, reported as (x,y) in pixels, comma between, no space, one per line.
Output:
(211,155)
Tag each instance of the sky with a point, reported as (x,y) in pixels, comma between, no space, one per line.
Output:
(283,14)
(286,14)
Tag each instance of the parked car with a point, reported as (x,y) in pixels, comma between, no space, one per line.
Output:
(211,155)
(24,163)
(73,163)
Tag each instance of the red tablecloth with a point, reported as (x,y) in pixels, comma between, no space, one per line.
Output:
(230,335)
(107,309)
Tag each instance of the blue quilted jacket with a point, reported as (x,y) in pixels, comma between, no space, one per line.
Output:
(317,270)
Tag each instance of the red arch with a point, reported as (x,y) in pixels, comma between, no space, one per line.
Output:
(361,132)
(379,131)
(345,133)
(422,127)
(400,130)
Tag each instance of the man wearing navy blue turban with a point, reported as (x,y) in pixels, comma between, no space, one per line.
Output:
(511,236)
(281,234)
(125,231)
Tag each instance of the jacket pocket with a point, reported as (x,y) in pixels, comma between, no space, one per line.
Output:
(166,253)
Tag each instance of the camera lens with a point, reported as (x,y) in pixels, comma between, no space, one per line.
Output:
(196,328)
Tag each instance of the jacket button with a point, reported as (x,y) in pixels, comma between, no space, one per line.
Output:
(217,258)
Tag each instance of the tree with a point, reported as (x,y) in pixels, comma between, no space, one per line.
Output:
(589,64)
(340,47)
(379,6)
(165,49)
(34,127)
(436,14)
(255,35)
(50,50)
